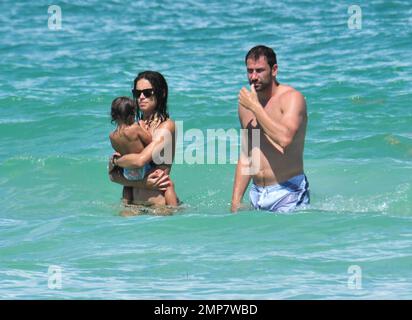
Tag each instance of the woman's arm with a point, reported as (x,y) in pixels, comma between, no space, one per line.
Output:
(144,134)
(157,180)
(162,141)
(116,176)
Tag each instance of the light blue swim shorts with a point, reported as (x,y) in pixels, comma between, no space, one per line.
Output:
(135,174)
(283,197)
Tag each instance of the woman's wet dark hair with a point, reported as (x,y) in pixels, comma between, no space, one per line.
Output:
(160,89)
(123,109)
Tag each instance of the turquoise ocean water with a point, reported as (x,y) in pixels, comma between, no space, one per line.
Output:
(58,207)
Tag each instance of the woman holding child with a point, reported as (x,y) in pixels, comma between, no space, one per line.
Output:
(143,131)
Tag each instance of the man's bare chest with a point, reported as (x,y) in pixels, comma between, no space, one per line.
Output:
(272,110)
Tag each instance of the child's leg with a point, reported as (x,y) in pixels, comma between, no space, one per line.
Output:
(171,196)
(127,195)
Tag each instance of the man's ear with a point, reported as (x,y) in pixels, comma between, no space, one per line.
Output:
(274,70)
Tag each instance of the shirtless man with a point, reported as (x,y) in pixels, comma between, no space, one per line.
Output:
(279,112)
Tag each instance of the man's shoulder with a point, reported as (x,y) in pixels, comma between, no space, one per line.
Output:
(291,96)
(288,92)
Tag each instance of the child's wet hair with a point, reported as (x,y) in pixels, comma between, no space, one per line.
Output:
(123,110)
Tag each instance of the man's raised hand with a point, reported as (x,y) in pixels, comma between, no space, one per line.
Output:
(248,99)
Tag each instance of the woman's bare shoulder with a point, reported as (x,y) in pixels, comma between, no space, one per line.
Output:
(169,124)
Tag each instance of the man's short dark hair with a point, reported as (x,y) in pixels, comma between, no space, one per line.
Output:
(256,52)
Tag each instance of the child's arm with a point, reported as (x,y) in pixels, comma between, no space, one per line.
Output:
(144,134)
(145,137)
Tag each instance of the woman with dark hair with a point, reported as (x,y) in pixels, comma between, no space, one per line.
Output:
(150,92)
